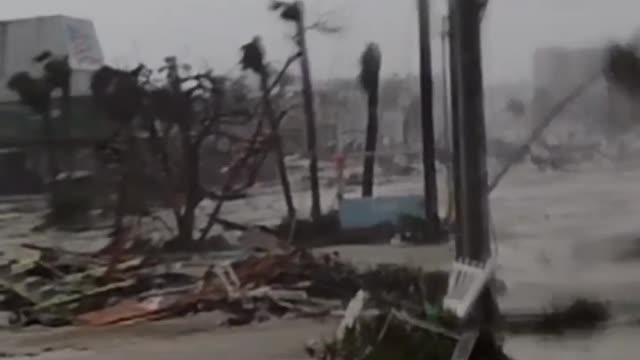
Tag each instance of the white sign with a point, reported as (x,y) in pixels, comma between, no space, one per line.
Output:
(84,48)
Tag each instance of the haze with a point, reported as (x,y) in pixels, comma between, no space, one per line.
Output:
(209,32)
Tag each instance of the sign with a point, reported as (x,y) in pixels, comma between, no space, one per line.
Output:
(84,48)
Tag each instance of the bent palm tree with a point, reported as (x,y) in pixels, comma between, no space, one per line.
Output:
(370,62)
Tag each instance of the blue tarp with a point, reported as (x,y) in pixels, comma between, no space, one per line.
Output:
(367,212)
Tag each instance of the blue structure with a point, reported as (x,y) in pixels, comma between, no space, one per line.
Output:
(368,212)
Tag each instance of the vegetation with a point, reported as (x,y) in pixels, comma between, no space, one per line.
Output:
(183,114)
(622,68)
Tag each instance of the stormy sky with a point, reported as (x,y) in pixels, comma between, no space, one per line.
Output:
(209,32)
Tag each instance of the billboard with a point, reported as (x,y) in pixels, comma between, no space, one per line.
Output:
(83,46)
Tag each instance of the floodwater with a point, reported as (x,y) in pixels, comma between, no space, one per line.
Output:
(560,236)
(566,235)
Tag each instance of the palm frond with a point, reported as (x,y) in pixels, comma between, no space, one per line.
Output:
(253,56)
(622,68)
(370,64)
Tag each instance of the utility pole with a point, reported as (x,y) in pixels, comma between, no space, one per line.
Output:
(310,114)
(466,20)
(446,119)
(456,158)
(446,135)
(428,137)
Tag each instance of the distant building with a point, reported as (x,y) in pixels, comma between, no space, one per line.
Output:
(21,40)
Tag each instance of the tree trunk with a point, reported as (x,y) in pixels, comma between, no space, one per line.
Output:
(53,167)
(370,146)
(125,182)
(192,191)
(310,115)
(274,127)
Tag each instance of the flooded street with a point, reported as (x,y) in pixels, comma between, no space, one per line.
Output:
(569,234)
(240,118)
(559,235)
(565,235)
(614,344)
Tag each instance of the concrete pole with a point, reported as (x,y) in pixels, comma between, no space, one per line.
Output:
(474,224)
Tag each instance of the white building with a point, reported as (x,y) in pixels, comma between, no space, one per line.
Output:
(21,40)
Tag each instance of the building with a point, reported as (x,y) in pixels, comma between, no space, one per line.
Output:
(21,40)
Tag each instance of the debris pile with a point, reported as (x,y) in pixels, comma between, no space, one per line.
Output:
(396,310)
(57,287)
(397,334)
(429,322)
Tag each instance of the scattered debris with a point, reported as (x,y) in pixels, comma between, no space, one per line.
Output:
(351,314)
(397,335)
(56,287)
(414,326)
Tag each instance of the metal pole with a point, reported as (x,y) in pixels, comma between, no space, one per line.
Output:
(428,138)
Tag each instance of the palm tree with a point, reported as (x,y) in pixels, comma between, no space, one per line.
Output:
(370,62)
(293,12)
(623,69)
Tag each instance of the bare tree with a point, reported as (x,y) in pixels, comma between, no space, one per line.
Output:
(118,94)
(181,114)
(36,94)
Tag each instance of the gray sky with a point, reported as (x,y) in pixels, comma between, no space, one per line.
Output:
(211,31)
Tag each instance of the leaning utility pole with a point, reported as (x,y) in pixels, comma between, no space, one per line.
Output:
(310,114)
(456,151)
(474,224)
(432,218)
(446,131)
